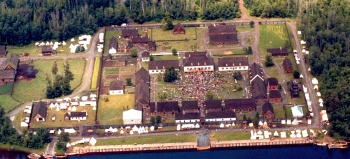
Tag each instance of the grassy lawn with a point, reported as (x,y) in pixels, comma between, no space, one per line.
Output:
(298,101)
(273,72)
(279,111)
(242,28)
(227,136)
(24,149)
(129,69)
(6,89)
(37,86)
(111,112)
(145,65)
(59,122)
(273,36)
(288,111)
(7,102)
(111,70)
(165,57)
(148,140)
(159,34)
(33,50)
(97,66)
(228,52)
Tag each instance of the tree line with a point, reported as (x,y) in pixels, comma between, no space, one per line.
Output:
(272,8)
(325,30)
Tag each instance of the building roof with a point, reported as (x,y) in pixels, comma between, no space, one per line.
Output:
(138,39)
(277,51)
(198,59)
(287,63)
(129,32)
(46,49)
(142,95)
(145,54)
(187,116)
(258,89)
(116,85)
(223,38)
(3,50)
(215,115)
(152,44)
(272,81)
(168,106)
(141,75)
(233,61)
(254,70)
(222,29)
(113,42)
(275,94)
(212,104)
(189,53)
(5,74)
(132,114)
(243,103)
(78,114)
(267,107)
(11,60)
(163,64)
(178,26)
(39,108)
(186,105)
(223,33)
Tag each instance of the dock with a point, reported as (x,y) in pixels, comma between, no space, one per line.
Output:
(264,142)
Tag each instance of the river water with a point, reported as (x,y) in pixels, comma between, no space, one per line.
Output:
(285,152)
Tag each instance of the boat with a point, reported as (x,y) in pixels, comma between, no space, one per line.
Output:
(338,145)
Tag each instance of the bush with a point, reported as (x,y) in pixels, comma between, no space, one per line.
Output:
(296,74)
(269,61)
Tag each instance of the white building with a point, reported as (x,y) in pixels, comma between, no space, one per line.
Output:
(233,64)
(159,66)
(220,116)
(187,118)
(132,116)
(77,115)
(145,56)
(198,62)
(116,87)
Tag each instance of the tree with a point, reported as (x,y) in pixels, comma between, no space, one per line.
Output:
(256,119)
(170,74)
(54,69)
(64,137)
(244,117)
(50,93)
(158,119)
(296,74)
(57,86)
(249,50)
(67,73)
(251,24)
(128,81)
(82,49)
(77,49)
(269,61)
(237,75)
(174,51)
(153,120)
(66,88)
(133,52)
(151,58)
(209,95)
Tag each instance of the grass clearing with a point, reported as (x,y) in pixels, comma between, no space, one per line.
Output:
(273,36)
(159,34)
(227,136)
(148,140)
(288,111)
(279,111)
(59,122)
(111,112)
(6,89)
(273,72)
(129,69)
(243,28)
(8,103)
(97,66)
(165,57)
(111,70)
(37,86)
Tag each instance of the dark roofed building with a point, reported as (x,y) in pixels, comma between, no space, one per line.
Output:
(268,112)
(142,95)
(141,75)
(199,53)
(240,105)
(272,83)
(213,105)
(179,29)
(287,65)
(227,116)
(113,45)
(47,50)
(7,76)
(116,87)
(159,66)
(129,33)
(8,69)
(152,46)
(189,107)
(222,34)
(187,118)
(3,51)
(255,71)
(278,51)
(140,40)
(294,89)
(39,111)
(275,96)
(168,107)
(198,62)
(259,91)
(121,61)
(77,116)
(233,63)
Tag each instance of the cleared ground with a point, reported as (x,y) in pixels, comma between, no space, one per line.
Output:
(149,140)
(227,136)
(273,36)
(7,102)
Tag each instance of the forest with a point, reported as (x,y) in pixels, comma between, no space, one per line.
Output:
(272,8)
(325,27)
(25,21)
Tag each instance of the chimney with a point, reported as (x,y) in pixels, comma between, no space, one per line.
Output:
(198,63)
(191,64)
(205,63)
(280,48)
(226,65)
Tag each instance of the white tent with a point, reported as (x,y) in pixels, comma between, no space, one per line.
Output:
(316,87)
(74,108)
(299,32)
(67,99)
(47,43)
(151,128)
(321,104)
(318,94)
(289,122)
(71,131)
(69,108)
(252,135)
(178,128)
(297,111)
(275,134)
(24,124)
(197,125)
(92,141)
(283,134)
(68,145)
(99,50)
(325,117)
(135,128)
(266,134)
(260,123)
(292,135)
(59,131)
(302,42)
(320,100)
(301,76)
(71,46)
(51,43)
(233,124)
(304,133)
(314,81)
(309,121)
(259,132)
(52,105)
(295,122)
(131,132)
(64,43)
(283,121)
(222,125)
(110,129)
(72,40)
(121,131)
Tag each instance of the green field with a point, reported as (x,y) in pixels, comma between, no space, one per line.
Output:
(7,102)
(159,34)
(60,121)
(279,111)
(148,140)
(111,112)
(129,69)
(227,136)
(37,86)
(111,70)
(273,36)
(242,28)
(166,57)
(95,73)
(6,89)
